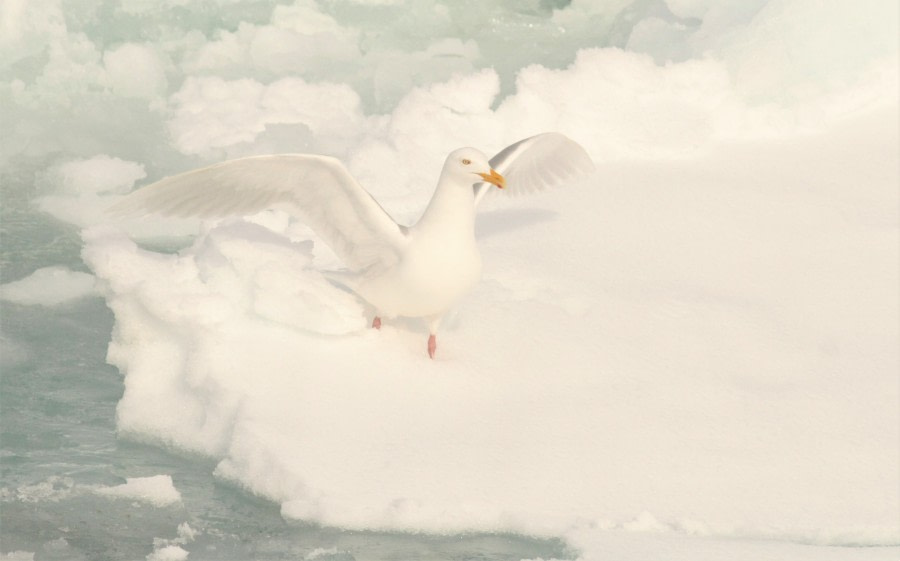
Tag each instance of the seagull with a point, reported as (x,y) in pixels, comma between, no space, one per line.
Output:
(419,271)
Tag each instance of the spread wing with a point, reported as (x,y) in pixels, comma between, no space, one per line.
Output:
(316,189)
(537,163)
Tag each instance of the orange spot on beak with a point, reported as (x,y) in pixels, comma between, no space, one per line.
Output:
(494,178)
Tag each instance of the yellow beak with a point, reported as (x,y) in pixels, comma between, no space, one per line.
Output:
(494,178)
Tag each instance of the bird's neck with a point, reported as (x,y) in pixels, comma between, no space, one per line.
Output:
(452,208)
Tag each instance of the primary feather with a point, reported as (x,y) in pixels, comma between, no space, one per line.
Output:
(537,163)
(317,189)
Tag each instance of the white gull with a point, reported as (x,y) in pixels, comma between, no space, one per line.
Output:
(419,271)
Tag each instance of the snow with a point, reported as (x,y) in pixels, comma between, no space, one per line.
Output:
(168,553)
(186,534)
(211,112)
(49,286)
(98,175)
(691,354)
(157,490)
(19,556)
(171,550)
(705,347)
(78,191)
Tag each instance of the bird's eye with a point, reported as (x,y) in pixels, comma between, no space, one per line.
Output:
(466,161)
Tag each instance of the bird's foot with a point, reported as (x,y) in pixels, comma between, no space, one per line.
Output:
(376,323)
(432,345)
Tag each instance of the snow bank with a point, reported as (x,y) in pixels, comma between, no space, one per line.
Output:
(168,553)
(697,343)
(709,341)
(170,549)
(101,174)
(49,286)
(78,191)
(158,490)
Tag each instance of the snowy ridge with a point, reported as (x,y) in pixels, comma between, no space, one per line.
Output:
(49,286)
(566,384)
(158,491)
(690,354)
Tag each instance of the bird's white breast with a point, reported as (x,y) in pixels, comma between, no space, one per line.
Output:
(440,263)
(432,275)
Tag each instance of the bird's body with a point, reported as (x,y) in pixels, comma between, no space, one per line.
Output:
(420,271)
(440,260)
(432,274)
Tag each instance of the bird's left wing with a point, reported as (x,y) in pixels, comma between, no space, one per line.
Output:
(316,189)
(537,163)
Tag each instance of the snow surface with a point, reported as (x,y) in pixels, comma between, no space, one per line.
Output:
(692,354)
(714,347)
(168,553)
(170,549)
(49,286)
(157,490)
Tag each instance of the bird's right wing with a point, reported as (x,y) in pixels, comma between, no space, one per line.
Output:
(316,189)
(537,163)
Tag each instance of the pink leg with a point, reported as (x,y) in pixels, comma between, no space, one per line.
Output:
(432,345)
(376,323)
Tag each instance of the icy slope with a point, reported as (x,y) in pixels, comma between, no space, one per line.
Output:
(709,340)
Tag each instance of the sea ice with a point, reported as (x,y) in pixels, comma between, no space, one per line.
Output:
(99,175)
(702,383)
(78,191)
(168,553)
(157,490)
(49,286)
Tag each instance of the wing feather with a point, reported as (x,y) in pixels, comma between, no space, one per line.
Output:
(537,163)
(316,189)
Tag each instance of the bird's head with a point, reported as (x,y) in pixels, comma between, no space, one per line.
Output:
(471,166)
